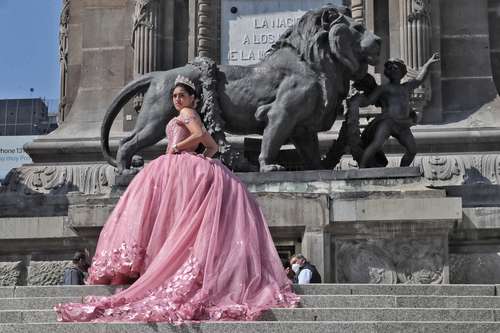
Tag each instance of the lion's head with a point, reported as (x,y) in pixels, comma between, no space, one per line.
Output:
(331,32)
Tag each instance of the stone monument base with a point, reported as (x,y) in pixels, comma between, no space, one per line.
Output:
(357,226)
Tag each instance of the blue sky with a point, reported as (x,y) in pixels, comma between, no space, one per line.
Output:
(29,52)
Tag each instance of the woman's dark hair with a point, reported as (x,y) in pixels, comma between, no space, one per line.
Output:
(188,89)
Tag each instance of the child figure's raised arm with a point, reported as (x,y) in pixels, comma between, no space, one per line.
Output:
(422,74)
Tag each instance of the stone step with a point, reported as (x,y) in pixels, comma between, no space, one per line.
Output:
(27,316)
(397,289)
(392,301)
(309,289)
(381,314)
(57,291)
(34,303)
(308,301)
(258,327)
(311,314)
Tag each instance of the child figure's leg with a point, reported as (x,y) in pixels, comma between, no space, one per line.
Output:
(382,133)
(406,139)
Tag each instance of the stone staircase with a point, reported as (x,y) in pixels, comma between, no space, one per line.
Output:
(356,308)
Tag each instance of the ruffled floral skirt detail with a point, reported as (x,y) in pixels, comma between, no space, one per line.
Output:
(195,241)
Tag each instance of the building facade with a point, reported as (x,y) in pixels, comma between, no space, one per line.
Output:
(28,116)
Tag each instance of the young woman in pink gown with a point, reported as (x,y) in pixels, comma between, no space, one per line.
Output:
(191,234)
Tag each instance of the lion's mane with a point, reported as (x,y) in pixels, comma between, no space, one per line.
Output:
(309,36)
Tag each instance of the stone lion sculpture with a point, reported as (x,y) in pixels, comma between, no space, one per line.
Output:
(295,92)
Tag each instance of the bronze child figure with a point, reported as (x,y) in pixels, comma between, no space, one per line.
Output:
(396,117)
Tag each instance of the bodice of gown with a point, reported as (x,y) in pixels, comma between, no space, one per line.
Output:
(177,131)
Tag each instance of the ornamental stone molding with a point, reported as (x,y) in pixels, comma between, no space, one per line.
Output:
(60,179)
(11,273)
(442,170)
(47,273)
(64,19)
(461,169)
(420,11)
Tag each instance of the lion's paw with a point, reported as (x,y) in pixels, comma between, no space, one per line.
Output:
(271,167)
(128,172)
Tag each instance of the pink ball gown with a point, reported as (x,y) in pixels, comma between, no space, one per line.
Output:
(197,241)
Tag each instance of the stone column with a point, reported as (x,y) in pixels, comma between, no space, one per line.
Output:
(494,27)
(358,10)
(63,58)
(205,27)
(145,28)
(204,17)
(145,36)
(316,247)
(415,44)
(153,35)
(415,32)
(152,39)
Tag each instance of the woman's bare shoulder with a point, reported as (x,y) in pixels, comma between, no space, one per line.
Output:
(188,114)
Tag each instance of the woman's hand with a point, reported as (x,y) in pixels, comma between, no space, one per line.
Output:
(198,133)
(210,152)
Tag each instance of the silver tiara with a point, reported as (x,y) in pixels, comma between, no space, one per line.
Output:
(184,80)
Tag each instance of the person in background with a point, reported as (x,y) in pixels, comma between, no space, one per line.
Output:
(288,269)
(75,275)
(304,271)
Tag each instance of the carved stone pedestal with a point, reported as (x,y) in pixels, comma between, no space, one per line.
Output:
(392,252)
(382,225)
(369,225)
(397,236)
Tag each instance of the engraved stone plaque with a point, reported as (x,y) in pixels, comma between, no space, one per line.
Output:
(249,27)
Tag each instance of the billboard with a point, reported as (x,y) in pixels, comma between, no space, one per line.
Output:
(12,154)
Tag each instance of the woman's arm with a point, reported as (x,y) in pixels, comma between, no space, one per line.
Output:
(198,133)
(211,146)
